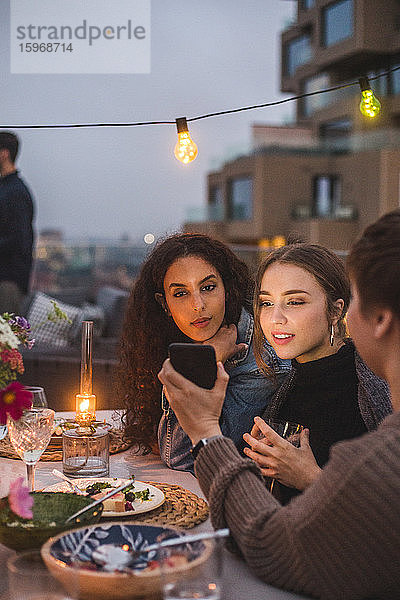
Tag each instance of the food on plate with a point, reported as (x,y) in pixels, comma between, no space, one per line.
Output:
(114,504)
(122,501)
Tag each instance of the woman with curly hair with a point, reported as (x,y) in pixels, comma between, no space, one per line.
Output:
(191,288)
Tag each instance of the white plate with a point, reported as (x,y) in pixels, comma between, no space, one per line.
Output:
(156,496)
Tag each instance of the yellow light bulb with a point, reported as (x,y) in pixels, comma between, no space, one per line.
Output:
(185,148)
(369,105)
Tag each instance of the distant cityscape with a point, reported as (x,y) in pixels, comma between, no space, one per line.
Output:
(60,264)
(82,267)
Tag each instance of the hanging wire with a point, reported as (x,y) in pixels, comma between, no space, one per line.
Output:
(206,116)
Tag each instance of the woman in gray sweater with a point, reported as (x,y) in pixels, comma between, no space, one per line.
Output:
(340,538)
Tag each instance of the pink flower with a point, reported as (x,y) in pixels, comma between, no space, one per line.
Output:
(19,499)
(14,399)
(14,359)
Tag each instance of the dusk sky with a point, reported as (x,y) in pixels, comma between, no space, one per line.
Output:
(206,56)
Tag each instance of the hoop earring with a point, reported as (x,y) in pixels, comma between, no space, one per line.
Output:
(332,335)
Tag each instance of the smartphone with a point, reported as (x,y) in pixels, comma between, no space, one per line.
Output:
(196,362)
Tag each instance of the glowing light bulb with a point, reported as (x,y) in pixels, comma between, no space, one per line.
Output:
(369,105)
(185,149)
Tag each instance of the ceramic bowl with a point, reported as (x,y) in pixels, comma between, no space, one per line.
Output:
(73,550)
(49,513)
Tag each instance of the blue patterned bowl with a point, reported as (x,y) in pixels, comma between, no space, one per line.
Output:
(73,550)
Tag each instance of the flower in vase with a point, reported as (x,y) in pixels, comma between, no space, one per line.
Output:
(8,337)
(19,499)
(14,399)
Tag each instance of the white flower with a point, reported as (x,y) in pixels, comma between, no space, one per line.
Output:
(7,336)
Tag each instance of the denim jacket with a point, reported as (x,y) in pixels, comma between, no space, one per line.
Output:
(248,394)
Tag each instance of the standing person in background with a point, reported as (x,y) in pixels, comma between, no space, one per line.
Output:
(16,234)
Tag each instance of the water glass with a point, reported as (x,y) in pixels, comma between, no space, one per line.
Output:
(192,571)
(289,431)
(29,579)
(39,399)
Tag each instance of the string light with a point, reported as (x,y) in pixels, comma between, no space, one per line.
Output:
(185,149)
(369,105)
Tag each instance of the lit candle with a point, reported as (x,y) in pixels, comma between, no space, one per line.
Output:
(85,400)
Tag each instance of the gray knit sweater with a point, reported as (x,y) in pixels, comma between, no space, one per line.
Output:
(339,540)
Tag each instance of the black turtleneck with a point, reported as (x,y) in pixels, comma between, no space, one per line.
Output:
(323,398)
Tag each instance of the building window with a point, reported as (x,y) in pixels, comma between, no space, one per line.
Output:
(395,80)
(380,86)
(326,196)
(216,204)
(306,4)
(240,199)
(298,52)
(313,103)
(338,128)
(337,22)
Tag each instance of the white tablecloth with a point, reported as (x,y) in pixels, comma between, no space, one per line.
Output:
(238,581)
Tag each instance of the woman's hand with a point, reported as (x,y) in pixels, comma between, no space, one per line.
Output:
(197,409)
(224,342)
(278,458)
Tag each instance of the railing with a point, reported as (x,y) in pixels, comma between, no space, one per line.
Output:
(303,212)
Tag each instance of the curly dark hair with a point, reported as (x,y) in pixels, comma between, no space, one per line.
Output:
(148,330)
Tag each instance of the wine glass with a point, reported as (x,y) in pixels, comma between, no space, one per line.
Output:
(30,436)
(289,431)
(39,399)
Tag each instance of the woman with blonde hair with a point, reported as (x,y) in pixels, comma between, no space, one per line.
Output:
(301,299)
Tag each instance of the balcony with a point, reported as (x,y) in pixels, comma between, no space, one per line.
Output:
(304,212)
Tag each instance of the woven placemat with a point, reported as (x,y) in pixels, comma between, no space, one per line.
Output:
(53,451)
(182,508)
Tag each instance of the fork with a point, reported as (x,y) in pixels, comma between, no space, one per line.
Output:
(71,483)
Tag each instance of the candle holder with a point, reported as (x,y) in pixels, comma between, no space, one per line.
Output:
(86,451)
(86,441)
(86,400)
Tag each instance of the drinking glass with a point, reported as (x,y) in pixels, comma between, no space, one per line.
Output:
(30,436)
(3,431)
(192,571)
(289,431)
(29,579)
(39,399)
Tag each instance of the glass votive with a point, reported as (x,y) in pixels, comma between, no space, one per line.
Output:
(86,452)
(29,579)
(192,571)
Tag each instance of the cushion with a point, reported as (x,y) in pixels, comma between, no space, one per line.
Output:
(59,334)
(113,301)
(91,312)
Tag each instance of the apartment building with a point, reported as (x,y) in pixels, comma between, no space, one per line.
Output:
(335,171)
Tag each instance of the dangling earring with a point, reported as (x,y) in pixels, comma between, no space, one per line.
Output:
(332,335)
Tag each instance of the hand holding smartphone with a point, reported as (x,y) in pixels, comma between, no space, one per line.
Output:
(196,362)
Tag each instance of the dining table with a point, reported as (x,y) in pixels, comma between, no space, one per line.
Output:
(238,581)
